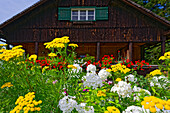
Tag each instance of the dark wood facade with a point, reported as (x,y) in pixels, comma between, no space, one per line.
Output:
(128,28)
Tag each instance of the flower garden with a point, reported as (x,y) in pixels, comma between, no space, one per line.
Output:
(62,83)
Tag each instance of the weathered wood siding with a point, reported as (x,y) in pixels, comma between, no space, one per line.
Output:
(124,24)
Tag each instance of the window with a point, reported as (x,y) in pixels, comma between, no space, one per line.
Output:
(82,14)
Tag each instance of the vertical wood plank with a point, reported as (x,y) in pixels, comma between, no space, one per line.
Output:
(142,52)
(163,45)
(130,50)
(98,51)
(36,48)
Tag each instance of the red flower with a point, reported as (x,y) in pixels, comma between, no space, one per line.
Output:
(132,63)
(127,60)
(147,63)
(128,65)
(59,63)
(60,67)
(135,68)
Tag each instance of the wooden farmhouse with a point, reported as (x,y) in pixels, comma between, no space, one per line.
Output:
(99,27)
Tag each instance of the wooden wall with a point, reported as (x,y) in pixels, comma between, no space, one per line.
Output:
(124,24)
(91,49)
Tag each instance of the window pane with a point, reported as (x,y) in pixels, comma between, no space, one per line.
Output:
(74,17)
(90,17)
(90,12)
(82,17)
(83,12)
(75,12)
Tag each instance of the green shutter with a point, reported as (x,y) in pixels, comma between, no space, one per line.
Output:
(64,13)
(101,13)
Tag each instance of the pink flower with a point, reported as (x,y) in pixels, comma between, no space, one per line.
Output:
(109,82)
(55,81)
(86,90)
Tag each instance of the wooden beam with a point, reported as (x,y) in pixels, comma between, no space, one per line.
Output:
(142,52)
(36,48)
(163,45)
(130,50)
(98,51)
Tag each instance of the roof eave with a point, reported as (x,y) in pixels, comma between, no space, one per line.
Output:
(148,12)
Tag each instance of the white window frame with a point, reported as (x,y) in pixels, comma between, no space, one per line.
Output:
(79,9)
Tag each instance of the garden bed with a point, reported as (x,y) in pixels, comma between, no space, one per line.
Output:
(66,84)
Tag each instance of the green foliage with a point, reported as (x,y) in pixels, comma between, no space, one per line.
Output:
(153,53)
(160,7)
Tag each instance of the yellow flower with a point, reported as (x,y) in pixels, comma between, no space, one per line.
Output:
(2,50)
(40,101)
(46,67)
(27,102)
(8,84)
(108,70)
(152,109)
(32,109)
(143,103)
(118,79)
(159,106)
(52,55)
(72,66)
(3,44)
(17,47)
(34,57)
(112,109)
(162,58)
(101,93)
(120,68)
(167,107)
(152,104)
(167,54)
(163,102)
(147,99)
(73,45)
(155,72)
(65,39)
(106,112)
(38,108)
(146,106)
(32,105)
(168,102)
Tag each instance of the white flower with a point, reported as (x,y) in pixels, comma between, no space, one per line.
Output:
(78,61)
(74,72)
(130,78)
(160,81)
(92,80)
(91,68)
(103,74)
(67,104)
(139,90)
(122,88)
(151,84)
(79,69)
(82,108)
(133,109)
